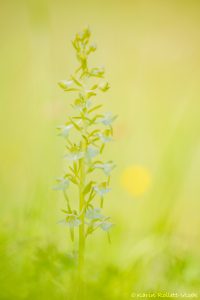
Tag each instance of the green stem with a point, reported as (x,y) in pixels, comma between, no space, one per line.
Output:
(67,200)
(81,251)
(101,202)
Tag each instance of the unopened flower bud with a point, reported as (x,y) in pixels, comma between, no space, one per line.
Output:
(65,84)
(104,86)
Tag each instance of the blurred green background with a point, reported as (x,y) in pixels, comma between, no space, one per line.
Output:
(151,52)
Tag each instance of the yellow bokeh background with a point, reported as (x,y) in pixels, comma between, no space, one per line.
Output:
(136,180)
(151,54)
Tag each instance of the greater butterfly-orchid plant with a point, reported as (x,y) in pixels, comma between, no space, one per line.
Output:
(93,130)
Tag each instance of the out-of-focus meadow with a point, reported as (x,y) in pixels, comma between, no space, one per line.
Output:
(151,52)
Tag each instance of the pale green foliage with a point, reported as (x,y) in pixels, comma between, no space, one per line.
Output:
(94,130)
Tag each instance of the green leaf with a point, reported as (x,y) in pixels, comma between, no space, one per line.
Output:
(65,211)
(91,196)
(95,140)
(89,230)
(102,148)
(77,118)
(94,87)
(76,81)
(90,93)
(85,138)
(88,187)
(89,206)
(71,169)
(75,168)
(75,45)
(94,132)
(72,178)
(95,108)
(90,169)
(75,125)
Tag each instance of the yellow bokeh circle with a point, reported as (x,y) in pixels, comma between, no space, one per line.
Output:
(136,180)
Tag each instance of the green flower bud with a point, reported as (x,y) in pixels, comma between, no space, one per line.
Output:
(83,35)
(86,33)
(97,72)
(92,48)
(65,84)
(104,86)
